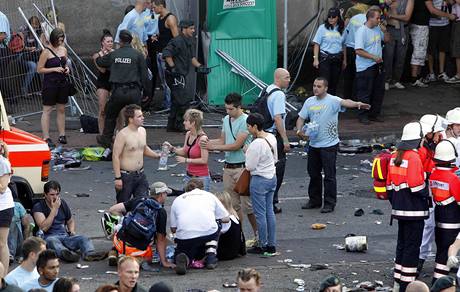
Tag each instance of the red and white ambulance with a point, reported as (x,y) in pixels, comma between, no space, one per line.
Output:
(30,159)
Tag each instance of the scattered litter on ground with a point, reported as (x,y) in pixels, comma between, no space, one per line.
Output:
(172,165)
(318,226)
(287,260)
(81,195)
(378,222)
(317,267)
(178,174)
(359,212)
(229,285)
(339,246)
(355,243)
(111,272)
(363,261)
(269,254)
(80,266)
(298,266)
(354,273)
(300,284)
(79,168)
(87,278)
(289,250)
(101,211)
(377,212)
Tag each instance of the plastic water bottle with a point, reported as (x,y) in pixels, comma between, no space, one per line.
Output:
(58,167)
(311,130)
(40,233)
(163,164)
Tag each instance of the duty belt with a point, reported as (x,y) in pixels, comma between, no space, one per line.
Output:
(132,171)
(445,202)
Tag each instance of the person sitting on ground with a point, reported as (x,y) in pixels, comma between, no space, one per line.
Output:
(158,192)
(107,288)
(444,284)
(417,286)
(19,230)
(330,284)
(231,240)
(249,280)
(194,217)
(128,274)
(66,285)
(54,218)
(27,270)
(48,268)
(5,286)
(160,287)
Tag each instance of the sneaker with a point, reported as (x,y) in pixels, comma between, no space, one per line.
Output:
(387,86)
(270,249)
(419,83)
(62,140)
(430,78)
(211,261)
(113,258)
(454,79)
(443,76)
(398,85)
(277,209)
(95,256)
(70,256)
(181,264)
(51,145)
(256,250)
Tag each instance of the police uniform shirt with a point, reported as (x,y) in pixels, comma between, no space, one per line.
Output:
(329,40)
(182,50)
(126,65)
(349,35)
(369,40)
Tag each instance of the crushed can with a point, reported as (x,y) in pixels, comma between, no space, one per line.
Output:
(356,243)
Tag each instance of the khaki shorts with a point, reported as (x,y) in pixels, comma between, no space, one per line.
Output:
(230,178)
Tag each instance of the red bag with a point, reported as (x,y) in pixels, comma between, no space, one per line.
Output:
(380,167)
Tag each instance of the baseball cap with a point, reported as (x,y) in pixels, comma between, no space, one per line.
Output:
(333,12)
(160,187)
(186,23)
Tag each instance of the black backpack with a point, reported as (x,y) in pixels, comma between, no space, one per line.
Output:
(139,226)
(260,106)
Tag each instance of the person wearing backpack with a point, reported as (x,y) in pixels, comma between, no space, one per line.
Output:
(158,193)
(323,110)
(276,104)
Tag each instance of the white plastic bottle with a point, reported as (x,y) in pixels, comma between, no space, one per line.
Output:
(163,163)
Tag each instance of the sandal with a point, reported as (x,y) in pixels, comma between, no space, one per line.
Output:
(62,140)
(50,143)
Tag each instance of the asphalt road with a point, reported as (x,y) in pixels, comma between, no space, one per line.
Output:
(297,242)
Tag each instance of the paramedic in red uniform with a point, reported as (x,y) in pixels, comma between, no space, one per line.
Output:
(445,188)
(408,195)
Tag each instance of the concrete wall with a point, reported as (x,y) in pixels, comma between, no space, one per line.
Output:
(85,19)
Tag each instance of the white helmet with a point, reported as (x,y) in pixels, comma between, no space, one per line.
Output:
(412,131)
(432,124)
(453,116)
(445,151)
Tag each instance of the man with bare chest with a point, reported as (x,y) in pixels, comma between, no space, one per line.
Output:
(129,149)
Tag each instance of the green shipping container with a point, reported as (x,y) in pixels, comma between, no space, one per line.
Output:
(246,30)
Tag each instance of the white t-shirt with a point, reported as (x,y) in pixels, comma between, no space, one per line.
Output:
(21,275)
(194,214)
(34,284)
(259,157)
(6,198)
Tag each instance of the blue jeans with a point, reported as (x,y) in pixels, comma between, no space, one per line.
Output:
(206,181)
(15,239)
(71,242)
(161,73)
(262,190)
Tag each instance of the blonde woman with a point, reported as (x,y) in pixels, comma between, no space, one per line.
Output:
(231,240)
(6,206)
(192,153)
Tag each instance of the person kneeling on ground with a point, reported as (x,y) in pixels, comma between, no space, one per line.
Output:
(54,218)
(194,217)
(158,192)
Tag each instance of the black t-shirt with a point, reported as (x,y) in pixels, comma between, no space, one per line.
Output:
(421,15)
(161,217)
(58,227)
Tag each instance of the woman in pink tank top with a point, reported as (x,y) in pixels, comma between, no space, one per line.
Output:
(191,153)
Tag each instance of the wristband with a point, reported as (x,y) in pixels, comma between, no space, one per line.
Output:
(117,178)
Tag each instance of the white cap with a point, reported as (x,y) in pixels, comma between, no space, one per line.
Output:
(445,151)
(453,116)
(160,187)
(432,124)
(411,136)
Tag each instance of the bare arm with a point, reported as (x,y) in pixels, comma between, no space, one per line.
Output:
(364,54)
(41,64)
(170,62)
(71,226)
(204,155)
(44,223)
(171,23)
(118,209)
(195,62)
(315,55)
(348,103)
(437,12)
(161,248)
(150,153)
(118,146)
(215,144)
(454,248)
(407,13)
(4,181)
(237,145)
(279,124)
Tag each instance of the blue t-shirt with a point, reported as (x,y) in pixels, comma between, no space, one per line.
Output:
(369,40)
(132,22)
(329,40)
(349,34)
(325,112)
(58,227)
(276,103)
(35,284)
(19,213)
(238,126)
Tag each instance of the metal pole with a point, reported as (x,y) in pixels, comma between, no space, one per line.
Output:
(285,38)
(32,30)
(54,12)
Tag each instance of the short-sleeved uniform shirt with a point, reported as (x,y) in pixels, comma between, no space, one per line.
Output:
(349,34)
(161,217)
(325,112)
(238,126)
(58,227)
(329,40)
(276,103)
(369,40)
